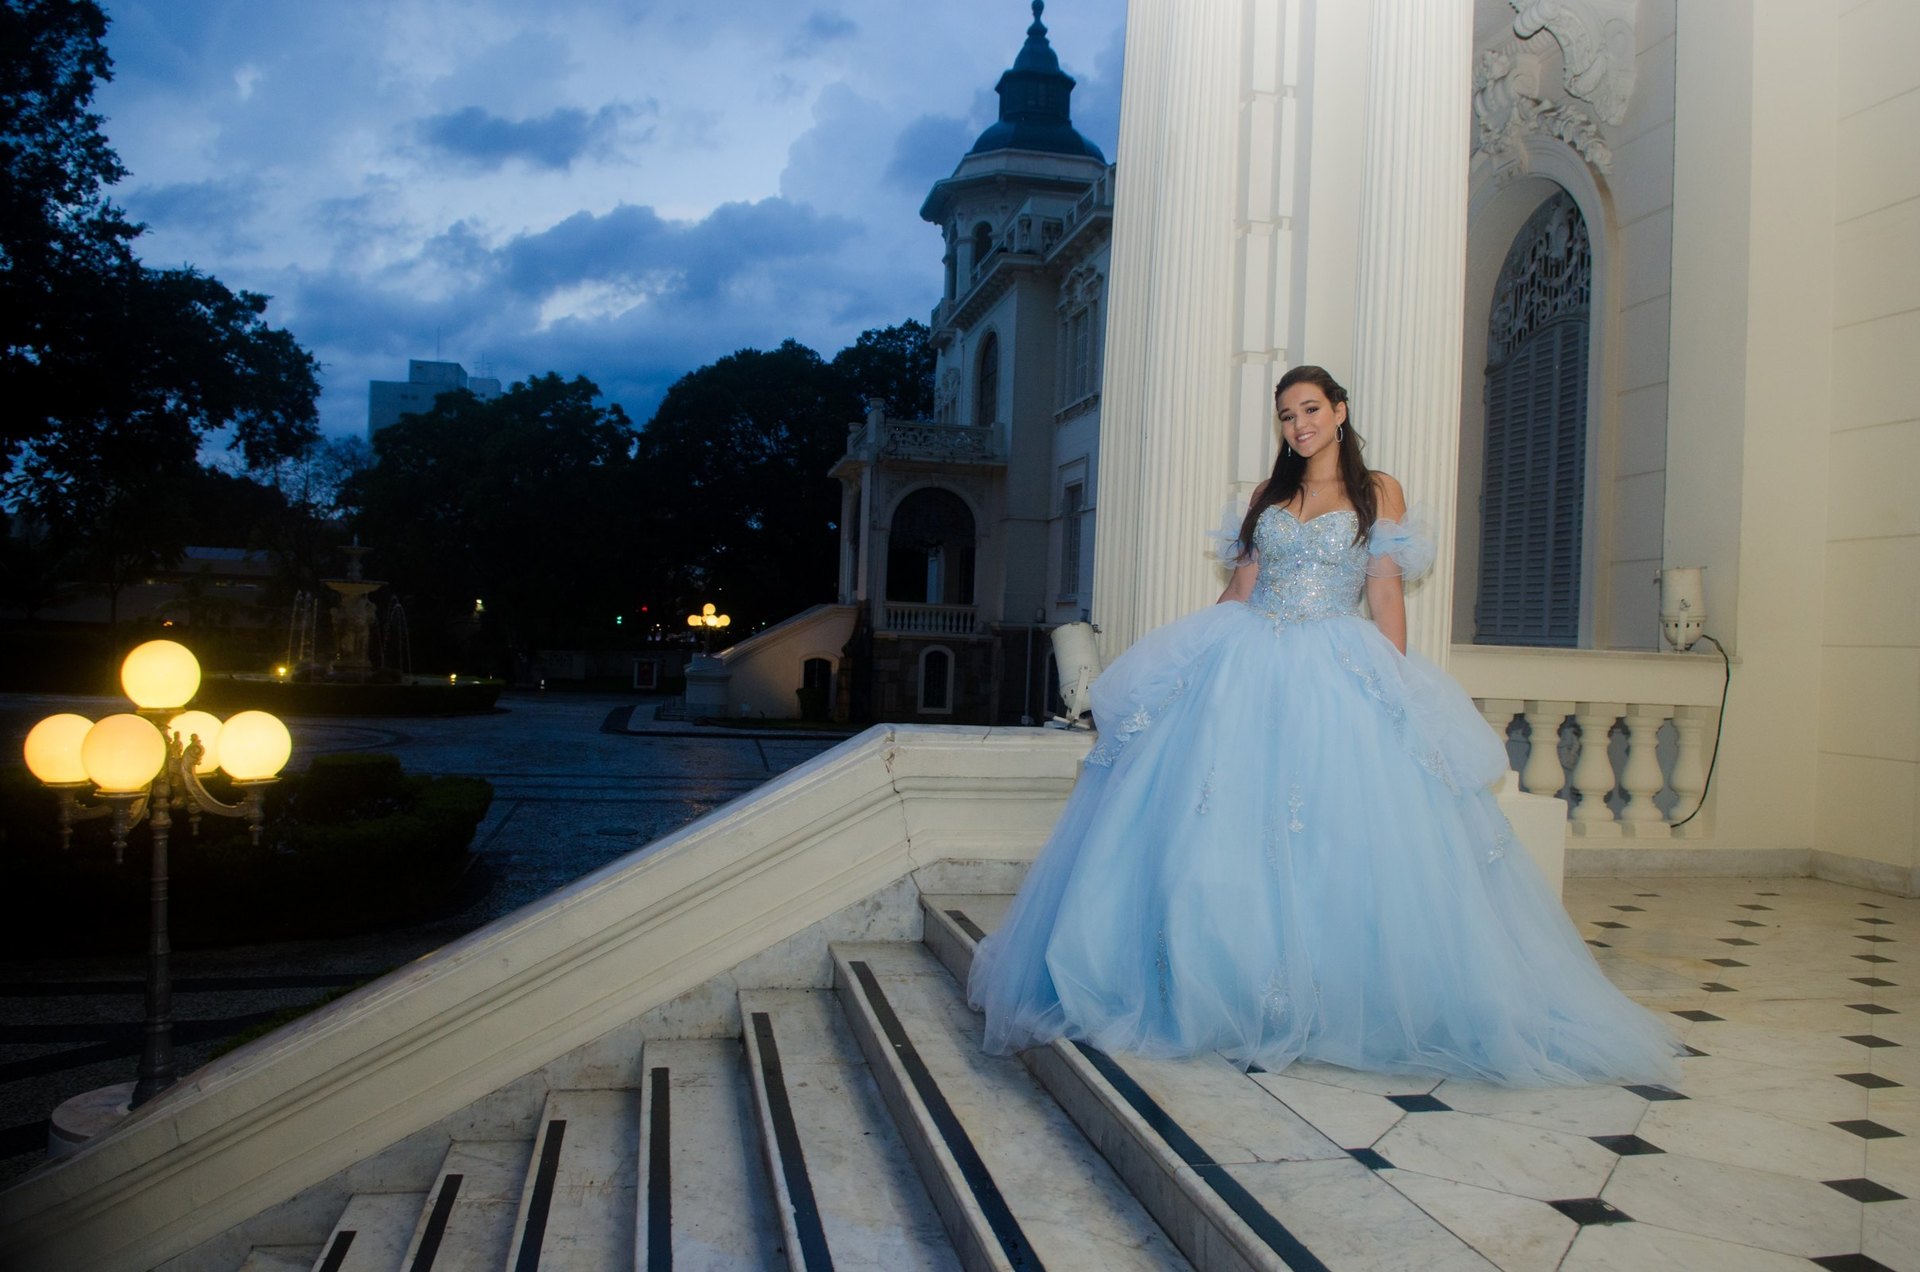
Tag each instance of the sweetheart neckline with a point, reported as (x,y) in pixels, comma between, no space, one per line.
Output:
(1288,513)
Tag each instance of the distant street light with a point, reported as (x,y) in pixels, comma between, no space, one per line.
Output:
(136,762)
(709,620)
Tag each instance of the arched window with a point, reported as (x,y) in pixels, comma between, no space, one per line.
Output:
(936,680)
(930,549)
(1532,502)
(982,246)
(986,398)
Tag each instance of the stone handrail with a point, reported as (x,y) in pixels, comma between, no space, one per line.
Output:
(932,620)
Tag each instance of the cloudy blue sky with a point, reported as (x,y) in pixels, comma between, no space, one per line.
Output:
(623,189)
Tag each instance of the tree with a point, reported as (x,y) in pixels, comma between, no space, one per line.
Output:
(894,364)
(734,466)
(115,373)
(525,503)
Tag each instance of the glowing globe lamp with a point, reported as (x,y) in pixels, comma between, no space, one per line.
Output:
(53,749)
(205,726)
(160,674)
(254,746)
(122,754)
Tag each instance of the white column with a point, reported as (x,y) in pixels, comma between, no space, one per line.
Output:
(1405,379)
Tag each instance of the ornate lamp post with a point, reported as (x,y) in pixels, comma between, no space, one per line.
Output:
(709,620)
(140,765)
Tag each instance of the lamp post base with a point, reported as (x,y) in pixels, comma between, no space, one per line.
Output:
(86,1115)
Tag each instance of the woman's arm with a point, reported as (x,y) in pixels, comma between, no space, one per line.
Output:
(1386,597)
(1240,584)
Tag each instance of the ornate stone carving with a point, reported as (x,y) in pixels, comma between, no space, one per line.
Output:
(1508,107)
(1596,46)
(946,397)
(914,439)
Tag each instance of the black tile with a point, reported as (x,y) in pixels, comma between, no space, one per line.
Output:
(1698,1015)
(1692,1051)
(1866,1128)
(1715,987)
(1875,958)
(1646,894)
(1746,923)
(1370,1159)
(1626,1145)
(1608,923)
(1650,1092)
(1254,1068)
(1864,1190)
(1766,894)
(1600,945)
(1877,940)
(1421,1104)
(1849,1263)
(1734,940)
(1871,1081)
(1756,907)
(1873,1009)
(1591,1210)
(1727,962)
(1860,918)
(1631,909)
(1869,1040)
(1870,905)
(1874,982)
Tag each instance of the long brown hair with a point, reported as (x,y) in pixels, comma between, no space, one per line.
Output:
(1290,467)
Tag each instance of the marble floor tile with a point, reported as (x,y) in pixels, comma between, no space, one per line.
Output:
(1526,1161)
(1765,1044)
(1802,1094)
(1737,1204)
(1355,1080)
(1230,1115)
(1588,1110)
(1351,1119)
(1895,1163)
(1891,1234)
(1643,1247)
(1353,1220)
(1742,1137)
(1515,1234)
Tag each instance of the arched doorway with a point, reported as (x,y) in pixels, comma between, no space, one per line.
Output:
(1533,492)
(930,549)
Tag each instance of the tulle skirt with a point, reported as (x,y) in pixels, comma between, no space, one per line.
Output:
(1284,846)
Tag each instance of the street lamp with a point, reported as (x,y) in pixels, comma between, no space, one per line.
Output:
(709,620)
(136,762)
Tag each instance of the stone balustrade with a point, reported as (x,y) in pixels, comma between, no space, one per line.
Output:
(932,620)
(1626,738)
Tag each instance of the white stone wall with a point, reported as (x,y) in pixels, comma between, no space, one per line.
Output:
(1869,734)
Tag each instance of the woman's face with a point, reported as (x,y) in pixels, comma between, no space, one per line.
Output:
(1309,422)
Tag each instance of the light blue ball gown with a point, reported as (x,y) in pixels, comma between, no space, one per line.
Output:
(1284,845)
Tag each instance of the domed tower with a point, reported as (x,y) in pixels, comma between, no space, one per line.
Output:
(969,534)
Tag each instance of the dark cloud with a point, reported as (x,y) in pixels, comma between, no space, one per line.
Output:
(927,150)
(224,207)
(822,27)
(554,140)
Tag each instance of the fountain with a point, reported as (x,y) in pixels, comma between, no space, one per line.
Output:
(370,670)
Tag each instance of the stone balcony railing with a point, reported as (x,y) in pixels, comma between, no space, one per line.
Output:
(878,437)
(1631,733)
(931,620)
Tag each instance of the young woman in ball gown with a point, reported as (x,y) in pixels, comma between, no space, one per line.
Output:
(1284,844)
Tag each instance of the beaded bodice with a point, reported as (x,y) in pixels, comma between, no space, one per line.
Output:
(1308,571)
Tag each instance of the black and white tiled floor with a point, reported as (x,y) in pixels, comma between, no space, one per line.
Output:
(1791,1141)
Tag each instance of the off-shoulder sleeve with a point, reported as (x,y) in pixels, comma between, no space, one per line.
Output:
(1400,549)
(1227,548)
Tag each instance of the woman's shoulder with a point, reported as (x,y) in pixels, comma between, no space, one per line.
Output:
(1390,502)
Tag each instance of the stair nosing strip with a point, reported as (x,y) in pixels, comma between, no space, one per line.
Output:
(659,1172)
(436,1224)
(540,1200)
(812,1233)
(337,1251)
(979,1180)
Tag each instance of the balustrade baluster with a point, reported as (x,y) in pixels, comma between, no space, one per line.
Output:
(1689,778)
(1641,777)
(1499,713)
(1544,774)
(1593,773)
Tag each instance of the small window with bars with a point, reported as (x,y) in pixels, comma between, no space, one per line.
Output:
(1072,504)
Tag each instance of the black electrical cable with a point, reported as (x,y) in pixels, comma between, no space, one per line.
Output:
(1718,727)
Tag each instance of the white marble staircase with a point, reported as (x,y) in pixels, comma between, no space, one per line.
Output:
(861,1127)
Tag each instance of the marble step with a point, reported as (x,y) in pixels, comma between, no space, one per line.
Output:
(1239,1178)
(468,1219)
(576,1209)
(372,1233)
(848,1194)
(703,1202)
(1012,1177)
(287,1258)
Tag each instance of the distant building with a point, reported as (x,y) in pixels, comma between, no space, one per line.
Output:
(967,537)
(388,400)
